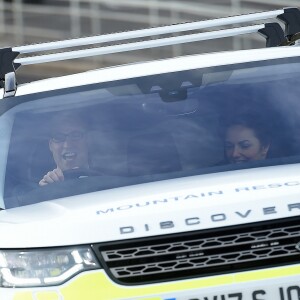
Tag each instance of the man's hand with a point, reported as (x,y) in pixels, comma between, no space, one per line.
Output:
(52,176)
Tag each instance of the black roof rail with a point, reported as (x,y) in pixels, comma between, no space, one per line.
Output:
(291,19)
(7,57)
(273,33)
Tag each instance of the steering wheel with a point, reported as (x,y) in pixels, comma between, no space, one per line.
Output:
(79,172)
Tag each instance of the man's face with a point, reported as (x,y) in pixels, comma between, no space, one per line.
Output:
(69,146)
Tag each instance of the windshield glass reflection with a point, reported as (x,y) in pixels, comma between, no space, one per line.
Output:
(154,128)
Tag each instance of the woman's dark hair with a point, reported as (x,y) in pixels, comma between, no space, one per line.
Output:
(249,119)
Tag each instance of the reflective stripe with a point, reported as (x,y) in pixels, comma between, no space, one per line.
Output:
(23,296)
(48,296)
(267,274)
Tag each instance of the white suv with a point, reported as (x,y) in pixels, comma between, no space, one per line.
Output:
(168,179)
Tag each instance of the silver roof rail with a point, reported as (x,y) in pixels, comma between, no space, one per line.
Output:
(177,28)
(38,59)
(271,31)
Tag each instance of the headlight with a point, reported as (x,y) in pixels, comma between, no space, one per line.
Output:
(43,267)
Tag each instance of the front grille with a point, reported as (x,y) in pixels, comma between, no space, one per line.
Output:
(201,253)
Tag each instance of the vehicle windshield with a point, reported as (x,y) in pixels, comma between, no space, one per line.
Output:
(152,128)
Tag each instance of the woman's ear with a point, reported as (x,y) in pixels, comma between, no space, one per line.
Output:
(265,150)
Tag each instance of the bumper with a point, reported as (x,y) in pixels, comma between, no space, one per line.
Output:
(275,283)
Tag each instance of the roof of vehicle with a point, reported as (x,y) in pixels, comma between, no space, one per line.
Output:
(273,32)
(156,67)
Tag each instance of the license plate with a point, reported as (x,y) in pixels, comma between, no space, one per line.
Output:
(289,292)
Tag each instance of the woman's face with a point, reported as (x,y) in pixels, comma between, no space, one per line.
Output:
(241,145)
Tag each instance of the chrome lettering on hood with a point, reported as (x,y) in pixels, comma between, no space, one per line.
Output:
(198,209)
(202,195)
(218,217)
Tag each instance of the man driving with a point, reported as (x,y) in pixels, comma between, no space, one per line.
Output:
(68,145)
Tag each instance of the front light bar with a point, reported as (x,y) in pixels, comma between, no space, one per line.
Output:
(27,268)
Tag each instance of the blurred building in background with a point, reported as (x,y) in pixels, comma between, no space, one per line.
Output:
(34,21)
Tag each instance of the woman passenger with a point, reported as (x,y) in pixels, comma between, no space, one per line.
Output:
(246,138)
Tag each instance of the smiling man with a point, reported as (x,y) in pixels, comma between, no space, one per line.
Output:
(68,144)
